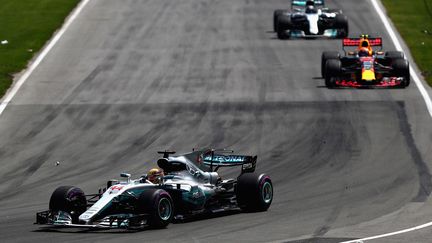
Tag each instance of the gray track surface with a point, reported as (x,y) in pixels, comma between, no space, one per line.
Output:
(135,76)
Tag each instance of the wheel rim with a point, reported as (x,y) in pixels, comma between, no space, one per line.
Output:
(164,209)
(267,192)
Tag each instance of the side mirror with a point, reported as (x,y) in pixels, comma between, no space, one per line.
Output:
(126,175)
(351,53)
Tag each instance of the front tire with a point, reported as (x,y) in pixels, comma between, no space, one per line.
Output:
(276,15)
(401,69)
(158,204)
(333,70)
(69,199)
(283,25)
(327,55)
(341,23)
(254,192)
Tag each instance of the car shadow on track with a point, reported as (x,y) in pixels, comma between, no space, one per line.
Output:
(53,229)
(206,216)
(81,231)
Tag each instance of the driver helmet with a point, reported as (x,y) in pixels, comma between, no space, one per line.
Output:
(310,7)
(363,52)
(155,175)
(310,3)
(365,43)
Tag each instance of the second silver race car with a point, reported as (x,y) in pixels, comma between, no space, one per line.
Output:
(311,19)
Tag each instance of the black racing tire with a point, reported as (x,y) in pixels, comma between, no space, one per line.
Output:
(254,192)
(341,23)
(69,199)
(327,55)
(333,70)
(283,24)
(401,69)
(392,56)
(158,204)
(276,15)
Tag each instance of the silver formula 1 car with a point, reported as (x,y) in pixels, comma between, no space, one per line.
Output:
(190,186)
(309,18)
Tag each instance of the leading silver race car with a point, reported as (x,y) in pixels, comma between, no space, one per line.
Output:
(309,19)
(190,186)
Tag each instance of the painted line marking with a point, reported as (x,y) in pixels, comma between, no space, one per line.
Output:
(10,94)
(390,234)
(427,100)
(398,46)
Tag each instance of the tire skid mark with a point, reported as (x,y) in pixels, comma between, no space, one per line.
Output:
(425,178)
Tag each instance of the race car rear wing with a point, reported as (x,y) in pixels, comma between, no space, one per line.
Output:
(248,163)
(356,41)
(302,3)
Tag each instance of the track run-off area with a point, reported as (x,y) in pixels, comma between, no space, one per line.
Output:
(124,79)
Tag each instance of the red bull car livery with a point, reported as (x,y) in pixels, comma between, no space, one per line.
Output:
(364,66)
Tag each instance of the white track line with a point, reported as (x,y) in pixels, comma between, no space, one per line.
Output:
(427,100)
(41,56)
(398,46)
(390,234)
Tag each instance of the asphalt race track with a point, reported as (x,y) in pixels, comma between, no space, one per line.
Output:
(135,76)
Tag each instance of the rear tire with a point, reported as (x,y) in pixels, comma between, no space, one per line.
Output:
(333,70)
(392,56)
(254,192)
(327,55)
(401,69)
(158,204)
(69,199)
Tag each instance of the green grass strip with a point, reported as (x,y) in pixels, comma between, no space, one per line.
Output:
(27,25)
(413,19)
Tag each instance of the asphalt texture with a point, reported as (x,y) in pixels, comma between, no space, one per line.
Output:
(133,77)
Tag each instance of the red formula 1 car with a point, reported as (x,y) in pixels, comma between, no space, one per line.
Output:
(365,67)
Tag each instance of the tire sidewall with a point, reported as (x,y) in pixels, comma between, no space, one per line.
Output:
(283,24)
(341,23)
(401,69)
(149,204)
(249,191)
(325,56)
(276,15)
(333,68)
(68,199)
